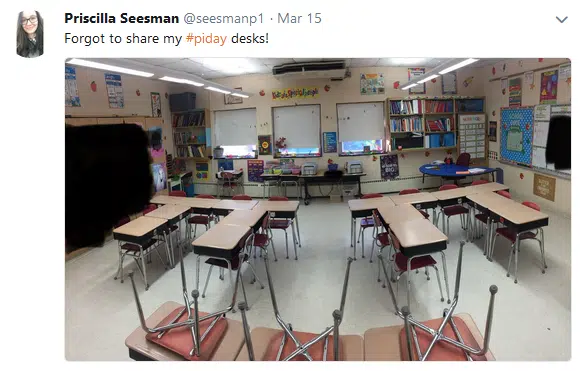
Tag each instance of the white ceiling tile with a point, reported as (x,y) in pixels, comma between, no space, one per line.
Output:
(363,62)
(185,65)
(275,61)
(155,61)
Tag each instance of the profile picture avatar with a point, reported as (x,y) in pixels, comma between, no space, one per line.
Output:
(29,34)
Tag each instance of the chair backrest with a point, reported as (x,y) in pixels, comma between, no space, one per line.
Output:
(206,196)
(149,209)
(463,159)
(480,181)
(371,195)
(123,221)
(506,194)
(266,222)
(376,219)
(242,197)
(532,205)
(409,191)
(278,198)
(177,194)
(446,187)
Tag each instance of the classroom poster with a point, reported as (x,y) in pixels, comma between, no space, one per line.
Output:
(372,83)
(226,164)
(71,91)
(202,171)
(156,142)
(264,145)
(516,135)
(416,72)
(449,83)
(330,144)
(515,89)
(292,93)
(155,104)
(549,87)
(255,170)
(114,90)
(389,167)
(159,176)
(529,79)
(565,71)
(492,131)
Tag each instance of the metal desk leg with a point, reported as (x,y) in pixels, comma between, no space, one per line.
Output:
(359,187)
(298,230)
(542,251)
(351,229)
(516,248)
(487,243)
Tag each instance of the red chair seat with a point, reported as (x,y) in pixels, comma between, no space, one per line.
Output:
(135,248)
(383,239)
(511,235)
(199,219)
(481,217)
(416,263)
(280,223)
(367,222)
(425,214)
(455,210)
(260,239)
(316,351)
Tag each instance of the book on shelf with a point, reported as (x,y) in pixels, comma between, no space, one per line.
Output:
(406,124)
(189,119)
(439,140)
(191,151)
(187,137)
(438,106)
(406,107)
(442,124)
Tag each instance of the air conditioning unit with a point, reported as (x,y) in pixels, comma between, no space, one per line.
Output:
(333,70)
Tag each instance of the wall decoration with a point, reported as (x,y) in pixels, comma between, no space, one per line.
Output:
(138,92)
(545,186)
(520,63)
(93,86)
(492,155)
(493,71)
(293,93)
(529,79)
(159,176)
(202,171)
(516,135)
(468,81)
(396,85)
(255,170)
(493,113)
(549,87)
(327,88)
(515,89)
(521,175)
(416,72)
(166,95)
(330,142)
(540,60)
(155,104)
(114,90)
(262,93)
(427,153)
(156,142)
(375,158)
(504,85)
(565,72)
(504,67)
(232,99)
(492,135)
(389,167)
(71,91)
(372,83)
(449,83)
(264,145)
(225,164)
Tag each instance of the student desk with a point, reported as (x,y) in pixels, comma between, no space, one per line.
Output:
(418,236)
(173,214)
(246,218)
(352,345)
(422,201)
(363,208)
(490,187)
(482,202)
(383,343)
(321,178)
(142,350)
(223,207)
(453,196)
(398,213)
(162,199)
(139,232)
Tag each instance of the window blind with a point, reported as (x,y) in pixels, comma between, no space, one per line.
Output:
(360,121)
(236,127)
(300,125)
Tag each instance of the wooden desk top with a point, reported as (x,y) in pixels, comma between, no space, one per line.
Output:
(244,218)
(161,199)
(490,187)
(413,198)
(489,199)
(278,205)
(193,202)
(369,203)
(235,205)
(398,213)
(454,193)
(222,236)
(517,213)
(140,226)
(227,351)
(416,232)
(168,211)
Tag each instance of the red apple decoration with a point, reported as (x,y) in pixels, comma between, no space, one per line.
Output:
(166,95)
(503,91)
(400,148)
(327,88)
(427,153)
(262,93)
(521,175)
(433,80)
(93,86)
(396,85)
(138,92)
(540,59)
(493,71)
(493,113)
(527,126)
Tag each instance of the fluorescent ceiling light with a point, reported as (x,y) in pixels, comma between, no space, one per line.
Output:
(107,67)
(218,90)
(427,79)
(240,95)
(181,81)
(458,65)
(408,86)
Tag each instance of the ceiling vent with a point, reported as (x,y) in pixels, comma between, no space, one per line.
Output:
(333,70)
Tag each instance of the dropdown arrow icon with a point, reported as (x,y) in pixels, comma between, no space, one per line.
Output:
(562,20)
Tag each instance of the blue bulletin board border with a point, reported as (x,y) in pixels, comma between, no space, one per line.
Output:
(517,121)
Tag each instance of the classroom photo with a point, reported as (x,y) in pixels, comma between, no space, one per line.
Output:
(318,209)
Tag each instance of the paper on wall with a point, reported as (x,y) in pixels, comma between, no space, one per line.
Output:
(529,78)
(565,71)
(542,112)
(504,83)
(539,157)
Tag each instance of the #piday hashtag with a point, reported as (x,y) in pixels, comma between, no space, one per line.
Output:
(206,39)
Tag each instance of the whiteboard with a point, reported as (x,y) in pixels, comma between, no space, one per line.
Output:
(236,127)
(541,133)
(300,125)
(361,121)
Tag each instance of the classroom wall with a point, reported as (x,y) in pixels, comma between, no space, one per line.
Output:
(346,91)
(520,179)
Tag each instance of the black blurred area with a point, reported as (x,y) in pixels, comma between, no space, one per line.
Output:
(107,177)
(558,146)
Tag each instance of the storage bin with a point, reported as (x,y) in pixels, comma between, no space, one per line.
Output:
(182,102)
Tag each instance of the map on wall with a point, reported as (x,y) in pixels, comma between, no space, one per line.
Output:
(517,127)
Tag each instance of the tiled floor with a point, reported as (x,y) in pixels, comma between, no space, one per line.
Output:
(531,322)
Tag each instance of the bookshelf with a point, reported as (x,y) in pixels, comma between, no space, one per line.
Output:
(189,134)
(421,123)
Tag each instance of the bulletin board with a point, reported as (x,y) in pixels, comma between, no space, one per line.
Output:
(517,128)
